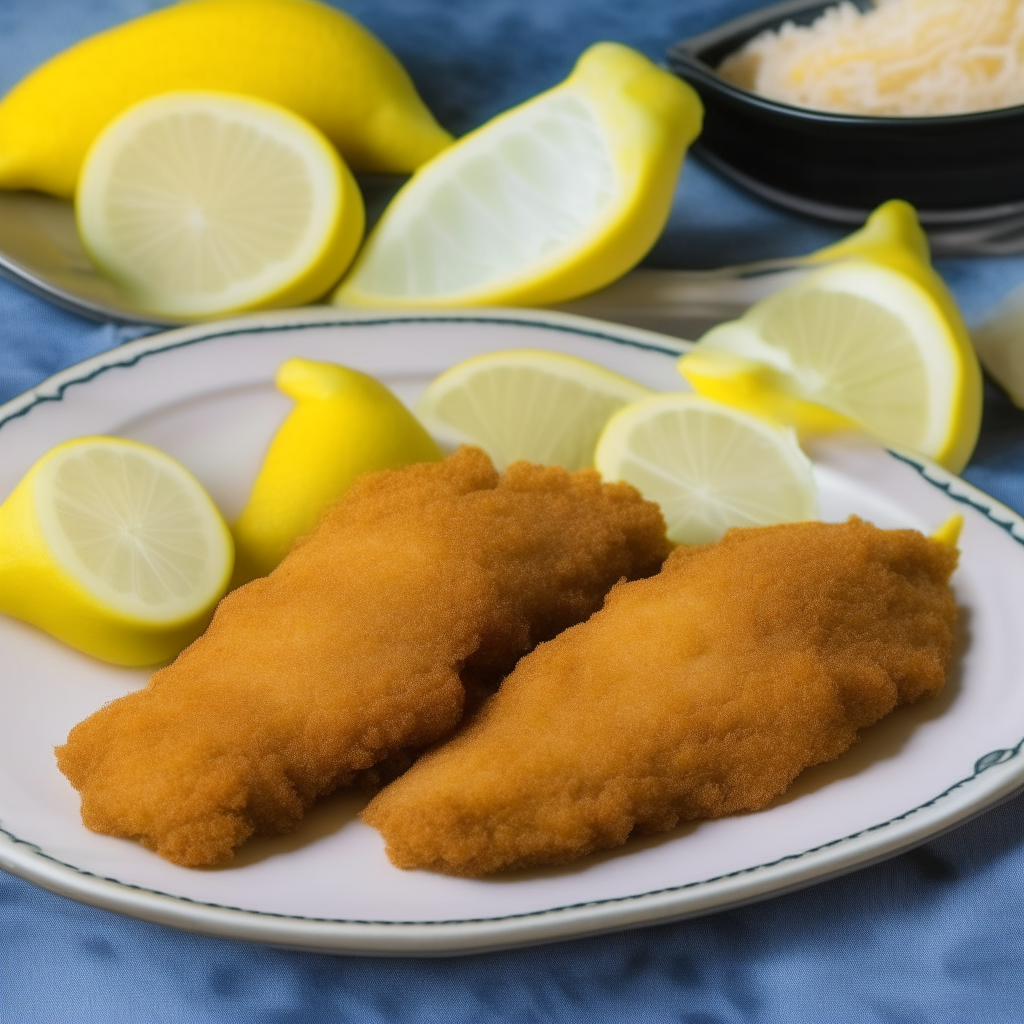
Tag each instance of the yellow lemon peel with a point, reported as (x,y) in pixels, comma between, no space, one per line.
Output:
(344,423)
(948,533)
(306,56)
(760,389)
(548,201)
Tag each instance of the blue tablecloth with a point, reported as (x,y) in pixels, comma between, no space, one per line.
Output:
(935,935)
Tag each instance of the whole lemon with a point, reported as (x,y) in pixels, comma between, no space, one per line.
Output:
(306,56)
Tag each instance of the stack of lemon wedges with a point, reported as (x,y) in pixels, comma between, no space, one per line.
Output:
(116,549)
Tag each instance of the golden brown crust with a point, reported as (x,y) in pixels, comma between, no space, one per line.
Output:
(350,652)
(700,692)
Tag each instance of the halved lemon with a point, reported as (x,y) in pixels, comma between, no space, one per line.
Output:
(115,548)
(530,404)
(201,203)
(870,343)
(708,466)
(553,199)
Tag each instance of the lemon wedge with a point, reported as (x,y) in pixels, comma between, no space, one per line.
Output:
(708,466)
(550,200)
(866,340)
(530,404)
(309,57)
(892,236)
(344,423)
(203,203)
(114,548)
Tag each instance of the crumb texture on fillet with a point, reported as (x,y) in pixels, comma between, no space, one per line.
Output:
(354,650)
(700,692)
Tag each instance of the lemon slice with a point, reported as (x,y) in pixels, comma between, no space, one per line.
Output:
(114,548)
(872,344)
(546,407)
(203,203)
(552,199)
(709,466)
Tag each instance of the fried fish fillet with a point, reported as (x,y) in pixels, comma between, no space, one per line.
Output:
(700,692)
(350,652)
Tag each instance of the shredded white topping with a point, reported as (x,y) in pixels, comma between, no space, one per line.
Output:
(904,58)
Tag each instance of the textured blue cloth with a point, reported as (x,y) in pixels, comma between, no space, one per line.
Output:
(933,936)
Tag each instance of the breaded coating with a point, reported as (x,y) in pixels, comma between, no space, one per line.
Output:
(701,692)
(350,652)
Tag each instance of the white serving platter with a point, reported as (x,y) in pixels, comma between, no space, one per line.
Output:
(205,395)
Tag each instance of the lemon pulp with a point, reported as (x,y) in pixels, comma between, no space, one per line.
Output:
(510,201)
(201,203)
(708,466)
(115,548)
(529,404)
(135,529)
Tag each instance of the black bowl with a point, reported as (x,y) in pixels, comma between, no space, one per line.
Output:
(960,171)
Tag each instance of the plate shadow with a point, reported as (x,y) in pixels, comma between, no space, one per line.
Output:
(326,817)
(888,737)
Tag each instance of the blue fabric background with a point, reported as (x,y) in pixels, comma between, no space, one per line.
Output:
(933,936)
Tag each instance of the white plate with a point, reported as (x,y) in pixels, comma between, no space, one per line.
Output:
(205,395)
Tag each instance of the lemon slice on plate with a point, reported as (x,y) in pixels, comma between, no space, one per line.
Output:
(868,342)
(546,407)
(114,548)
(553,199)
(203,203)
(708,466)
